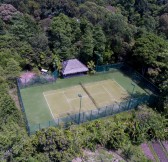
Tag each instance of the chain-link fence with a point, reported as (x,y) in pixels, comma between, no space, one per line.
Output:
(139,79)
(36,80)
(108,110)
(136,77)
(22,107)
(90,115)
(108,67)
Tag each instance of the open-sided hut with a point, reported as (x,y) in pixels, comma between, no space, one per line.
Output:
(73,67)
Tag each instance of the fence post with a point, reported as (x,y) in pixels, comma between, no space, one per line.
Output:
(138,102)
(83,117)
(75,118)
(112,109)
(58,121)
(119,108)
(28,129)
(22,106)
(129,103)
(149,99)
(39,126)
(91,115)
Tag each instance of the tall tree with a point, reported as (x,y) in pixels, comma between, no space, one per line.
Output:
(147,48)
(24,27)
(119,34)
(87,45)
(12,69)
(62,36)
(99,40)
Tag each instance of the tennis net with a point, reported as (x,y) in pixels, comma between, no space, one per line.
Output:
(83,87)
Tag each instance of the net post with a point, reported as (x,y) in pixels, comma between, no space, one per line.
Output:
(92,99)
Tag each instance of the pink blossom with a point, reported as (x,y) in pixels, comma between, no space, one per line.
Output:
(26,77)
(7,11)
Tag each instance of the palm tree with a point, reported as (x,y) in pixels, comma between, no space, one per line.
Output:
(57,62)
(91,66)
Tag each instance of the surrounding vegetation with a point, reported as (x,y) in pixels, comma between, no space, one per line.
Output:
(35,33)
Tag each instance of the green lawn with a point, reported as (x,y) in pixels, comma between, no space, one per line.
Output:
(36,107)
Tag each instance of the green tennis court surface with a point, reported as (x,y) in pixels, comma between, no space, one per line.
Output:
(44,102)
(66,101)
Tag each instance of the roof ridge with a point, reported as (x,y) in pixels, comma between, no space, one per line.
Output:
(66,62)
(73,66)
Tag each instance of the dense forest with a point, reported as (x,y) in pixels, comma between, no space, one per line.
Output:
(35,32)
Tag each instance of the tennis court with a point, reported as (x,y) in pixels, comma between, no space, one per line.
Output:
(62,102)
(44,102)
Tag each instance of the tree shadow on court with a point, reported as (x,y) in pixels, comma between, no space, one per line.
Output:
(127,103)
(136,94)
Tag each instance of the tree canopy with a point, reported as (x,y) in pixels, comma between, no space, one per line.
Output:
(42,33)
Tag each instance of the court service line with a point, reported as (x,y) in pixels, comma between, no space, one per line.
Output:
(95,94)
(109,93)
(49,107)
(51,93)
(77,98)
(91,84)
(69,104)
(120,86)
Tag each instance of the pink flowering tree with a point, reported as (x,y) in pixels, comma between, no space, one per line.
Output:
(7,11)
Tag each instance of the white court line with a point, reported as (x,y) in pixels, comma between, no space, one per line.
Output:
(120,86)
(69,104)
(52,93)
(95,94)
(62,90)
(91,84)
(109,93)
(49,107)
(77,98)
